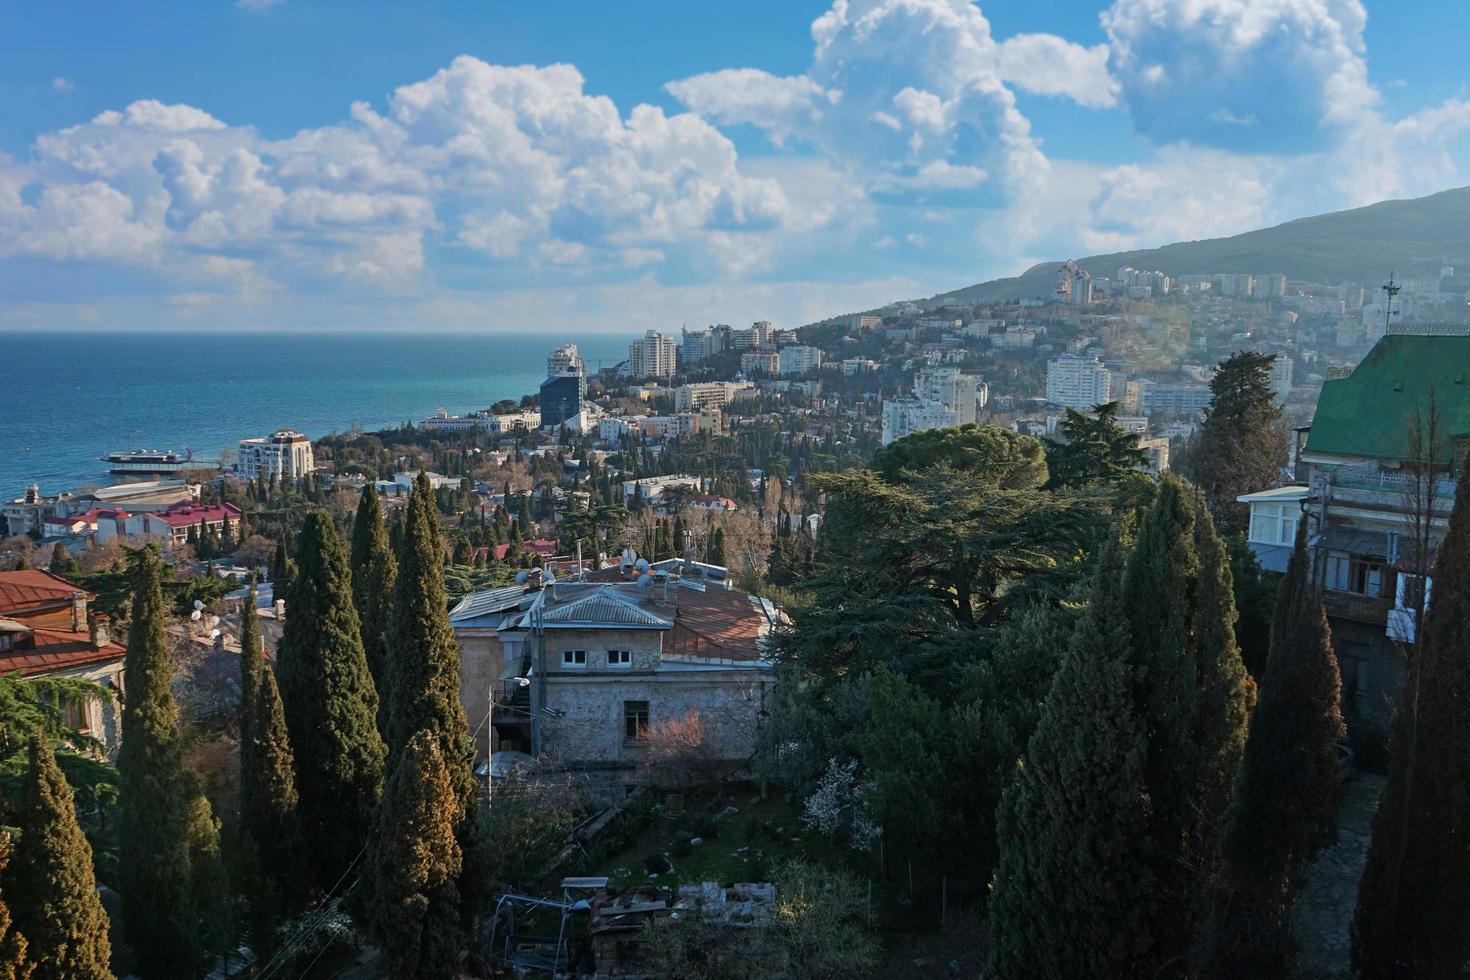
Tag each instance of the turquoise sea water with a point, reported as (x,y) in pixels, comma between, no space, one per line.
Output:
(73,397)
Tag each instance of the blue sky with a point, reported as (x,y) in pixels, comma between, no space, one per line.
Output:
(483,165)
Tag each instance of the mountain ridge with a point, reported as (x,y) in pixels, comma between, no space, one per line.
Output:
(1411,236)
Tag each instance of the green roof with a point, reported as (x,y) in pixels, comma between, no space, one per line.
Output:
(1368,413)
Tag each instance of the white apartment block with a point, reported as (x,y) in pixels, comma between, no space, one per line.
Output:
(565,360)
(285,454)
(942,397)
(1078,381)
(799,359)
(652,356)
(711,394)
(858,365)
(766,362)
(698,345)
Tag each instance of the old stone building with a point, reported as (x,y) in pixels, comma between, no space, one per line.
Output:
(576,672)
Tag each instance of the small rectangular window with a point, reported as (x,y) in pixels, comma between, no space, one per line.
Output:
(635,719)
(574,658)
(5,642)
(1265,523)
(620,658)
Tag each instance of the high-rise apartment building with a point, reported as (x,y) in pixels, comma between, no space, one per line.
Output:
(799,359)
(285,454)
(1078,381)
(652,356)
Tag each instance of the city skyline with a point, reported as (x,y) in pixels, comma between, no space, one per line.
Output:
(283,165)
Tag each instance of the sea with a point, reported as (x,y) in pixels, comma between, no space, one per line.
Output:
(72,397)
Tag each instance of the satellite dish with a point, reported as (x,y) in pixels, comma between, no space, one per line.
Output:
(214,634)
(641,564)
(521,577)
(195,615)
(548,577)
(644,581)
(198,604)
(213,621)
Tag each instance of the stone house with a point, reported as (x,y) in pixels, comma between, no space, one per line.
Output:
(577,671)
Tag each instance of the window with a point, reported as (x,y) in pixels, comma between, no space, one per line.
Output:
(1274,523)
(574,658)
(76,714)
(620,658)
(5,642)
(1346,573)
(635,719)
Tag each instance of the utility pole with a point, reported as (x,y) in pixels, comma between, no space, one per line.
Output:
(1392,289)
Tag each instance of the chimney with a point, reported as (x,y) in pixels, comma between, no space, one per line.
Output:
(98,630)
(78,611)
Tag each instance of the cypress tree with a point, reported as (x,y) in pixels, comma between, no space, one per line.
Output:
(415,906)
(51,882)
(153,840)
(1193,699)
(1411,919)
(330,705)
(251,666)
(1286,803)
(281,571)
(374,572)
(208,884)
(270,828)
(1074,890)
(15,961)
(423,657)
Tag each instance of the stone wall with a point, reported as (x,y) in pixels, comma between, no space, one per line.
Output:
(481,661)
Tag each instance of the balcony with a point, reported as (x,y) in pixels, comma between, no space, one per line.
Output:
(1359,608)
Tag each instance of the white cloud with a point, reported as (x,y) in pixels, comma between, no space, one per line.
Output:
(62,84)
(1048,65)
(256,4)
(1266,76)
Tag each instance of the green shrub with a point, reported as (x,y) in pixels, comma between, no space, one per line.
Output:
(656,864)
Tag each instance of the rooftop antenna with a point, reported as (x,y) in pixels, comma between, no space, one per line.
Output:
(1392,289)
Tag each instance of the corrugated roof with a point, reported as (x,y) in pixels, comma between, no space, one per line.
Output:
(1367,413)
(1368,544)
(603,609)
(487,602)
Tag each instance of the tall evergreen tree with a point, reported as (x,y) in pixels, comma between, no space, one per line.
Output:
(62,563)
(281,571)
(1411,920)
(330,705)
(1240,447)
(423,656)
(50,882)
(1285,810)
(374,572)
(252,664)
(1096,448)
(270,827)
(1074,891)
(1193,699)
(15,960)
(153,850)
(416,860)
(207,880)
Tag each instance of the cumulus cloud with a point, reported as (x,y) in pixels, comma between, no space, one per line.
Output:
(517,163)
(907,96)
(1250,75)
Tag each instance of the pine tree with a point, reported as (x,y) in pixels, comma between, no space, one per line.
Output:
(1285,809)
(1074,891)
(416,859)
(15,961)
(62,563)
(330,705)
(153,850)
(374,573)
(1411,920)
(50,881)
(281,571)
(423,656)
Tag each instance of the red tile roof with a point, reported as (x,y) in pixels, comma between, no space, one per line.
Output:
(182,515)
(32,588)
(537,546)
(58,650)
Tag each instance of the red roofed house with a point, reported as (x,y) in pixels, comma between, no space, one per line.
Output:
(174,522)
(45,631)
(58,527)
(544,547)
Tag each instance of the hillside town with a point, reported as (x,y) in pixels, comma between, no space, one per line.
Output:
(637,578)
